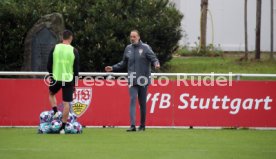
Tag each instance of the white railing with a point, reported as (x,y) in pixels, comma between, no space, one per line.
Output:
(233,75)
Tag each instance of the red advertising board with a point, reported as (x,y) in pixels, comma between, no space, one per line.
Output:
(241,104)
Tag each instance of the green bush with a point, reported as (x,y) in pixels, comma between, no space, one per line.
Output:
(101,28)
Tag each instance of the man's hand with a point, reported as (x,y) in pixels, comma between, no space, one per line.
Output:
(108,69)
(157,65)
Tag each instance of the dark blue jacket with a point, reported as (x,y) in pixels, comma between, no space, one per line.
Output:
(138,59)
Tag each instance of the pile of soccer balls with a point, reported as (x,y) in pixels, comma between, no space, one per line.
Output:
(50,123)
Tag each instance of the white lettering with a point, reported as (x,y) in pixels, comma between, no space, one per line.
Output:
(249,105)
(193,100)
(153,102)
(183,101)
(215,100)
(165,101)
(224,101)
(257,101)
(184,80)
(235,106)
(267,100)
(206,106)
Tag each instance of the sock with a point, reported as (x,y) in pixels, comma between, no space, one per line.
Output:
(55,109)
(63,126)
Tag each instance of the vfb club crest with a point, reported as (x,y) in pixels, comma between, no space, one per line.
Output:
(81,100)
(141,51)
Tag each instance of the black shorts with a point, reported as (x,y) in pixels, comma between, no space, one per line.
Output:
(67,89)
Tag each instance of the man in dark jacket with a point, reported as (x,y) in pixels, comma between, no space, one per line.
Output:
(138,58)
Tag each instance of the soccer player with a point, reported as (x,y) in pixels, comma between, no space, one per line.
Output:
(138,58)
(63,66)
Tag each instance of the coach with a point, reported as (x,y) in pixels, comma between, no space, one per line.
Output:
(138,58)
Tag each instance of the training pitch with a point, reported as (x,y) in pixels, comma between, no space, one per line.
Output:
(115,143)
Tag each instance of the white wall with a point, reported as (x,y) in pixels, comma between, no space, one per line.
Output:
(228,19)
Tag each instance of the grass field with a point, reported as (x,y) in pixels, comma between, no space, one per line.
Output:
(226,64)
(98,143)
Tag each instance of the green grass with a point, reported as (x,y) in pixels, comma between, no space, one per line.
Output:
(24,143)
(219,65)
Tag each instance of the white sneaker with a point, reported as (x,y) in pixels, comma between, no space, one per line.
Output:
(62,131)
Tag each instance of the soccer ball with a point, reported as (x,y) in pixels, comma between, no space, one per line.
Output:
(58,115)
(69,128)
(55,126)
(72,118)
(45,117)
(77,128)
(44,128)
(51,123)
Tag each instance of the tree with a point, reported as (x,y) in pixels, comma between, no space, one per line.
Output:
(245,31)
(101,28)
(203,24)
(258,29)
(271,22)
